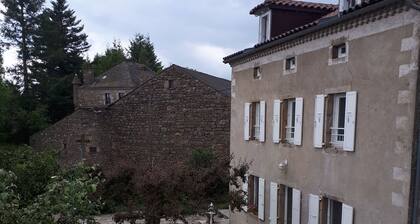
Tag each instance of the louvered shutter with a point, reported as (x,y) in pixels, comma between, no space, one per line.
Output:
(245,190)
(347,214)
(319,121)
(296,207)
(276,121)
(261,188)
(298,121)
(350,121)
(273,203)
(246,121)
(262,121)
(313,209)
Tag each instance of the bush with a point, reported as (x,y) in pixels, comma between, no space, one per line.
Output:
(29,166)
(33,189)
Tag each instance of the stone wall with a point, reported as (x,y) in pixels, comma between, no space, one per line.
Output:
(89,97)
(158,125)
(153,124)
(66,136)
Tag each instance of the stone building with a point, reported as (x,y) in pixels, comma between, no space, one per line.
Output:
(327,110)
(163,119)
(110,86)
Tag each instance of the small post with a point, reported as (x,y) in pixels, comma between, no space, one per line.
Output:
(211,212)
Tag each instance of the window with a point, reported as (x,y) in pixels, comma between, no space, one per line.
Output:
(93,150)
(337,113)
(339,51)
(107,98)
(290,124)
(253,193)
(290,63)
(337,129)
(255,120)
(335,212)
(286,204)
(169,84)
(257,73)
(265,27)
(120,95)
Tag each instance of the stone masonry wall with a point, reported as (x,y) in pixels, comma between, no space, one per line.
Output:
(157,125)
(154,124)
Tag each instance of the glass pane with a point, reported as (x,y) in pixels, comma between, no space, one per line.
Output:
(341,112)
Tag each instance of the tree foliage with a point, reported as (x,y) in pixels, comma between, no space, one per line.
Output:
(19,26)
(51,195)
(141,50)
(20,117)
(59,47)
(185,187)
(113,56)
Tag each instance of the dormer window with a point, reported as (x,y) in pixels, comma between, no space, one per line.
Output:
(346,4)
(265,26)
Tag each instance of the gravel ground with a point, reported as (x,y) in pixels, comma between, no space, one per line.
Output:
(107,219)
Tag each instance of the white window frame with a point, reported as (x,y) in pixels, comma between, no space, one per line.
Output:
(257,70)
(291,125)
(337,139)
(267,29)
(339,49)
(341,58)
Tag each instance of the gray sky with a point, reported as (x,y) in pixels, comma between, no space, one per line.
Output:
(191,33)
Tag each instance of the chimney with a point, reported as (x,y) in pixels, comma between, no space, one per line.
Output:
(88,77)
(76,84)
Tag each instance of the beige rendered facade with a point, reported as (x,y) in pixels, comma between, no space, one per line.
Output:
(344,153)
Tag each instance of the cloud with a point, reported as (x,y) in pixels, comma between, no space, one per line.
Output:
(210,57)
(196,34)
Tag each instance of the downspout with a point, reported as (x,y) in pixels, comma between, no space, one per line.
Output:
(415,184)
(415,200)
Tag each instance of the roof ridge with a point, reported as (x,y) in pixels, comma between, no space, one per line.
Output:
(294,3)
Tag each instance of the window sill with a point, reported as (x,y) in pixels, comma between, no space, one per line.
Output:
(335,61)
(289,72)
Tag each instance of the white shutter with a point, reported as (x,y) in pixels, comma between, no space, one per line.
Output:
(298,121)
(246,121)
(262,121)
(261,198)
(296,207)
(347,214)
(276,121)
(319,121)
(313,209)
(245,190)
(350,121)
(273,203)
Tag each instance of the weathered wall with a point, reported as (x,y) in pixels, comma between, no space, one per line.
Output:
(153,124)
(65,135)
(375,178)
(89,97)
(159,125)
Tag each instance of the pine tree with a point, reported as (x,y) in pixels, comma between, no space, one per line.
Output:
(141,50)
(18,28)
(113,56)
(60,45)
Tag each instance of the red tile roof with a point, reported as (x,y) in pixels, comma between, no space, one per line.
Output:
(293,3)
